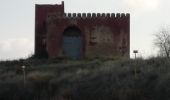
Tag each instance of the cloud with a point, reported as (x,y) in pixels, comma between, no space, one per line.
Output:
(143,5)
(16,48)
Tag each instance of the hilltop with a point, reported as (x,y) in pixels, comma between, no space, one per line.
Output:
(92,79)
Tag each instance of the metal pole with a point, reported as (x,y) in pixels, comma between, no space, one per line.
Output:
(23,69)
(135,52)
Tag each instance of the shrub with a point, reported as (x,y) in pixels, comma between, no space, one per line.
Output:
(40,77)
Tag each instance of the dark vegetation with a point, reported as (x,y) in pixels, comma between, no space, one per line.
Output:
(90,79)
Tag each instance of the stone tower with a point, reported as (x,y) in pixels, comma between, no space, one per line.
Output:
(78,35)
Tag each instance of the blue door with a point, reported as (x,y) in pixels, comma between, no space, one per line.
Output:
(72,46)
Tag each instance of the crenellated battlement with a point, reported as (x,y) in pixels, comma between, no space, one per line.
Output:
(89,15)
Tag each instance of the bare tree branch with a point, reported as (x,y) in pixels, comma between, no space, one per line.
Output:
(162,41)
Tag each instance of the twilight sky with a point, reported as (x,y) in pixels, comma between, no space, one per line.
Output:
(17,22)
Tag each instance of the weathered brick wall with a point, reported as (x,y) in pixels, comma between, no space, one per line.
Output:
(41,12)
(103,35)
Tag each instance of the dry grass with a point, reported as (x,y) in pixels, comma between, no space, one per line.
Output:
(86,80)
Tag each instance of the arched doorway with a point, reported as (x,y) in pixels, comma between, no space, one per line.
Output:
(72,43)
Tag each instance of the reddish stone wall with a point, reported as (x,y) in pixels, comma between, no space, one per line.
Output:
(41,12)
(104,35)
